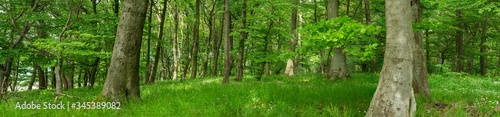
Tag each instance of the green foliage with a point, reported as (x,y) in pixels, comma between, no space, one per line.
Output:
(342,32)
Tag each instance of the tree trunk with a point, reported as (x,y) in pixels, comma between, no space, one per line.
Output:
(42,84)
(152,76)
(482,57)
(196,29)
(459,44)
(174,44)
(227,42)
(122,81)
(69,74)
(289,63)
(33,76)
(53,82)
(373,62)
(217,46)
(394,95)
(338,66)
(148,60)
(59,76)
(93,73)
(420,83)
(1,81)
(241,49)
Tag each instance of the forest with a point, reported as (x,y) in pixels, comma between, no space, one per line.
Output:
(372,58)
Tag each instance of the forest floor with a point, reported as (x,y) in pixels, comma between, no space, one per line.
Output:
(304,95)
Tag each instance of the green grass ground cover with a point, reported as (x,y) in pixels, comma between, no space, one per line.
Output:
(304,95)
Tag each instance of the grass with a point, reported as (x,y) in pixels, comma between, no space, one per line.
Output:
(304,95)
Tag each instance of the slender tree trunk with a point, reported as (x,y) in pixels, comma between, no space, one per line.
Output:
(2,71)
(93,72)
(290,64)
(122,81)
(174,44)
(241,49)
(152,76)
(394,95)
(116,7)
(85,78)
(42,78)
(420,83)
(373,62)
(69,74)
(227,31)
(33,76)
(482,57)
(54,79)
(59,76)
(150,25)
(459,44)
(196,29)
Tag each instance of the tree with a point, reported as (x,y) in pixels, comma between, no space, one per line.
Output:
(174,43)
(394,95)
(338,66)
(122,81)
(289,63)
(420,83)
(227,42)
(195,40)
(152,76)
(241,49)
(482,58)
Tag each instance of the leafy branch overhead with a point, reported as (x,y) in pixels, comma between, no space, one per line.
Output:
(354,37)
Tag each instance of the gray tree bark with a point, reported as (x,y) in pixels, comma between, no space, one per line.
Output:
(420,74)
(122,81)
(394,95)
(290,65)
(175,66)
(338,66)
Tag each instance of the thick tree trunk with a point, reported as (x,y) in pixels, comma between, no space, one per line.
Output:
(152,76)
(241,49)
(338,66)
(122,81)
(482,57)
(420,83)
(459,44)
(394,95)
(227,26)
(194,68)
(289,63)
